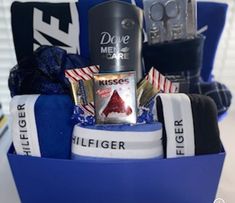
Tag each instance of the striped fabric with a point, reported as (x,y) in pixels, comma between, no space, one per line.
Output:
(3,122)
(86,73)
(219,92)
(160,81)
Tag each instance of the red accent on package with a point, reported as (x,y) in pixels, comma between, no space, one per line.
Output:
(151,85)
(81,80)
(85,73)
(160,82)
(115,98)
(116,105)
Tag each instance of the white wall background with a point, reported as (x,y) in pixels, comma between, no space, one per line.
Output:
(224,70)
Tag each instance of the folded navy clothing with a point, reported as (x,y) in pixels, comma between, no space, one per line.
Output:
(40,23)
(43,72)
(42,126)
(221,95)
(217,91)
(181,61)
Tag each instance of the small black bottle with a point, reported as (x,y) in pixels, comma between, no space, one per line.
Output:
(115,37)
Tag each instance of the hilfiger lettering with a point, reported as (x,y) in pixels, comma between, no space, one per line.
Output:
(104,144)
(179,137)
(23,133)
(24,127)
(178,124)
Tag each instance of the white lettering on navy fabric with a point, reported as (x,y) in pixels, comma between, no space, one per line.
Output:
(42,29)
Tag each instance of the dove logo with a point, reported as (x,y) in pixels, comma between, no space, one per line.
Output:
(111,46)
(107,38)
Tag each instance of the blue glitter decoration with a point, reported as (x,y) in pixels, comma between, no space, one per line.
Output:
(80,117)
(145,114)
(43,72)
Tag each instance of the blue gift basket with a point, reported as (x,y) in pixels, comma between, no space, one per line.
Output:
(178,180)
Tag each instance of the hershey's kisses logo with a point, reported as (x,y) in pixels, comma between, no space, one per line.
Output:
(114,82)
(110,46)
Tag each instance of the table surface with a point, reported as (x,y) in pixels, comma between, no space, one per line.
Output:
(226,191)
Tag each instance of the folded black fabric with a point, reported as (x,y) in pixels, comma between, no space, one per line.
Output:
(194,116)
(207,139)
(175,56)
